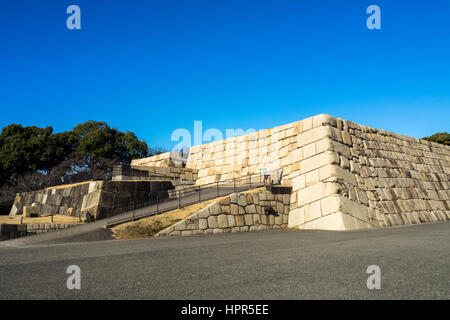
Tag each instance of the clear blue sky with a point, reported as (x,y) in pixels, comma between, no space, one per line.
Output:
(154,66)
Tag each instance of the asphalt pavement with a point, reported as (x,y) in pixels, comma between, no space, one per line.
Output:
(275,264)
(97,231)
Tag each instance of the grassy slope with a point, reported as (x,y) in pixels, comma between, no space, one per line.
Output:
(148,227)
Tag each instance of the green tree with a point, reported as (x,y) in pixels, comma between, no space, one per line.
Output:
(443,138)
(28,154)
(29,149)
(99,139)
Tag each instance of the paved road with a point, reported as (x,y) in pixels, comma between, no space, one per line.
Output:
(274,264)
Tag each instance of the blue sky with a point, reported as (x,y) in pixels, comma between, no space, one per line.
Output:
(154,66)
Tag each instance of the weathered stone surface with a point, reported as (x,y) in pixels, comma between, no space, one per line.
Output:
(340,172)
(225,202)
(212,222)
(251,208)
(180,225)
(248,218)
(242,200)
(324,156)
(29,211)
(93,197)
(222,221)
(239,221)
(215,209)
(202,224)
(203,213)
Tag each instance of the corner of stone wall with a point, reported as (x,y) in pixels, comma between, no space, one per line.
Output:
(320,196)
(382,178)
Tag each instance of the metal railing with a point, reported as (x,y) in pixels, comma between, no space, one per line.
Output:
(168,200)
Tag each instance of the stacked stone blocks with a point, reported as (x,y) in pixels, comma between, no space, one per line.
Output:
(245,211)
(94,198)
(344,176)
(13,231)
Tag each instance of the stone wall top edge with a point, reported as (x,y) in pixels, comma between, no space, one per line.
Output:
(399,136)
(62,187)
(271,130)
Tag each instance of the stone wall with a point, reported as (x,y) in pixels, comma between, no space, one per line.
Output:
(243,155)
(67,200)
(144,172)
(344,176)
(378,178)
(13,231)
(245,211)
(166,159)
(94,197)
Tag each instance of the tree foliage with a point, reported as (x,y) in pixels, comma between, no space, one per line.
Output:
(99,139)
(31,156)
(81,167)
(31,149)
(443,138)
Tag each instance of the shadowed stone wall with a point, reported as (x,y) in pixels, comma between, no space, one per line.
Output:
(13,231)
(94,197)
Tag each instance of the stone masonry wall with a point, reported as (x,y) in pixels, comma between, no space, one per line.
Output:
(94,197)
(13,231)
(344,176)
(243,155)
(371,178)
(157,173)
(244,211)
(70,200)
(166,159)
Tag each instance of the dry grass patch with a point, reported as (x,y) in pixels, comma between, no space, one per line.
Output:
(57,218)
(148,227)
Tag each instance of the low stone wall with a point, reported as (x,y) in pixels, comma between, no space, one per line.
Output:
(166,159)
(238,212)
(141,172)
(94,197)
(13,231)
(69,200)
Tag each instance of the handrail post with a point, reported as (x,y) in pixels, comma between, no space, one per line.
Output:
(234,184)
(157,202)
(111,212)
(179,199)
(134,207)
(250,181)
(199,189)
